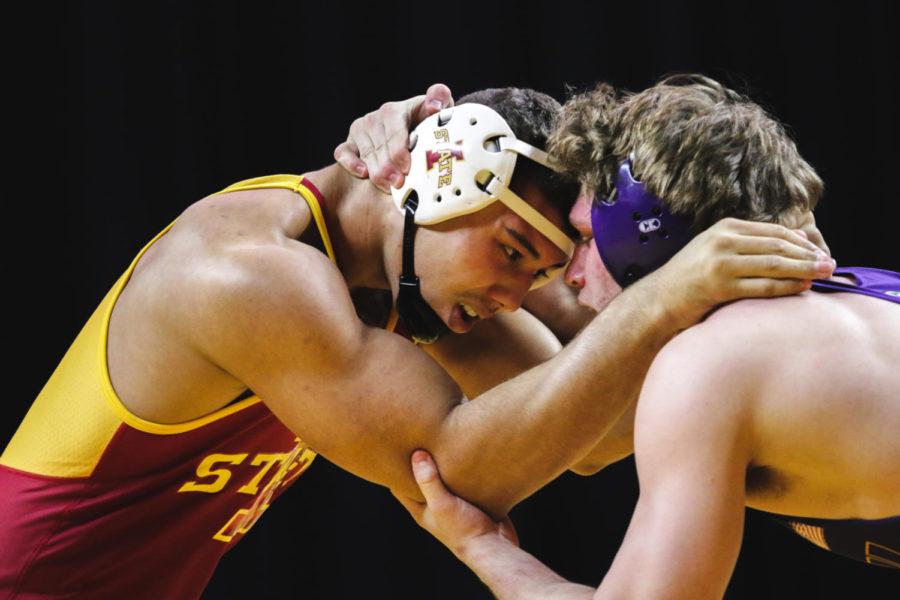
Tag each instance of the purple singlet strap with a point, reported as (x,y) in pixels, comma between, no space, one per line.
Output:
(877,283)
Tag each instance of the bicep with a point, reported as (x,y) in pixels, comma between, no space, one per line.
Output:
(362,397)
(683,539)
(691,452)
(369,410)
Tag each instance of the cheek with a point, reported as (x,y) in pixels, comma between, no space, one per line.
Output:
(595,272)
(458,262)
(601,288)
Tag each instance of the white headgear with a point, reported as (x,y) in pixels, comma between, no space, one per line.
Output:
(463,159)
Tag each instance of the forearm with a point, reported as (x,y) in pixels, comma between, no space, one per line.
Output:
(495,351)
(556,306)
(617,444)
(512,573)
(523,433)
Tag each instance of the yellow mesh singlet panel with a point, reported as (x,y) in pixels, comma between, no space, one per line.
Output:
(77,412)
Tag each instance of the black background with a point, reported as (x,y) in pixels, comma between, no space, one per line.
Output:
(122,115)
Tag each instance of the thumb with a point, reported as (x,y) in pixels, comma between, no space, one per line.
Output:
(426,474)
(437,98)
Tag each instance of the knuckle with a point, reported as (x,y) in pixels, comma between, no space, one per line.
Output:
(771,263)
(721,242)
(713,268)
(398,154)
(781,231)
(728,223)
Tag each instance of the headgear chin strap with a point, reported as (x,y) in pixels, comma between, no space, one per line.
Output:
(462,160)
(419,319)
(634,231)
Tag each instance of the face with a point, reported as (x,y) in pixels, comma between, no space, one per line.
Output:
(586,272)
(475,265)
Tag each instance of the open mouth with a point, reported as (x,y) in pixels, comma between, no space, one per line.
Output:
(468,313)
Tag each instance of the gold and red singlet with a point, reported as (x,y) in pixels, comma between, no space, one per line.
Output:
(96,502)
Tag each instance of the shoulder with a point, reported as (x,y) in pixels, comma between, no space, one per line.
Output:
(707,376)
(741,340)
(728,360)
(278,285)
(243,299)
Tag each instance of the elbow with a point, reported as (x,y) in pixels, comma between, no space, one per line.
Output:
(467,477)
(495,500)
(588,468)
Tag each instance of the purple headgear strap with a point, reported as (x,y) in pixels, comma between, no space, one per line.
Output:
(634,231)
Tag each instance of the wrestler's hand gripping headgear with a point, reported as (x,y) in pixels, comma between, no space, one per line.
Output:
(463,159)
(634,231)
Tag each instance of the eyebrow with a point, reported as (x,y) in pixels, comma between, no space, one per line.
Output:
(524,241)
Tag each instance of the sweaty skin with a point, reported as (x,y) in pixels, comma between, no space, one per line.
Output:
(786,405)
(376,147)
(490,549)
(232,298)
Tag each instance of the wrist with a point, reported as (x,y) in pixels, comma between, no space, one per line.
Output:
(476,550)
(669,306)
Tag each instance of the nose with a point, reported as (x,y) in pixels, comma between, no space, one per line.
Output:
(511,294)
(574,274)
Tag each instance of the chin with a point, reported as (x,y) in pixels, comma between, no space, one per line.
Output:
(597,300)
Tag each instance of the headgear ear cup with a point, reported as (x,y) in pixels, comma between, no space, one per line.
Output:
(451,150)
(634,231)
(462,160)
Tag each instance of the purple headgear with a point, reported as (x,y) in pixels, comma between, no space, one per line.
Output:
(634,231)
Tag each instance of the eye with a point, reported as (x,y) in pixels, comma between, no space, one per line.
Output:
(511,253)
(541,274)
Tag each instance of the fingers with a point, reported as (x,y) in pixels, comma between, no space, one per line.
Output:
(360,139)
(753,244)
(347,155)
(370,138)
(815,236)
(382,139)
(773,230)
(396,126)
(768,288)
(437,98)
(426,474)
(780,267)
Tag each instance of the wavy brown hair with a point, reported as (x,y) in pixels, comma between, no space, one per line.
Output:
(707,151)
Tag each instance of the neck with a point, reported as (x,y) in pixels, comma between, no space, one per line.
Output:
(366,229)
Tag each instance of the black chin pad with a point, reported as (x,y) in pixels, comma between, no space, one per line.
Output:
(419,319)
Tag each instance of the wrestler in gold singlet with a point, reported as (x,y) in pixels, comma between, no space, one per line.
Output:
(100,503)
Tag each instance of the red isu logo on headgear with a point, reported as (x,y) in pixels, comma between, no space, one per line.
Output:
(443,158)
